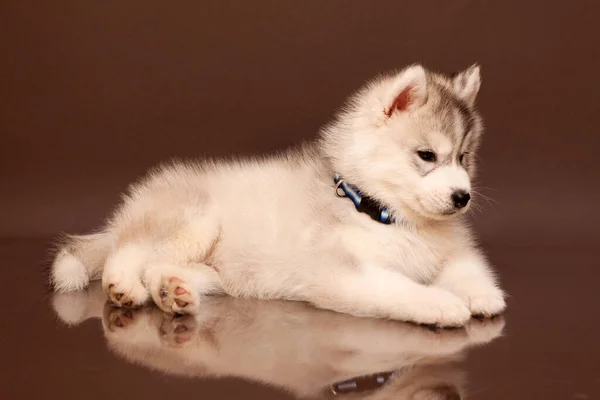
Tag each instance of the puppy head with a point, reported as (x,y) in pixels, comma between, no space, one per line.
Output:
(409,140)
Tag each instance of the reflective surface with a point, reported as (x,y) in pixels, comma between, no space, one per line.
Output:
(74,346)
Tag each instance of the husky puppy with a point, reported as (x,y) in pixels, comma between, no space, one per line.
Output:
(367,220)
(311,353)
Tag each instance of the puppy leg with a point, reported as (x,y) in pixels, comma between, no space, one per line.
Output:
(469,277)
(121,279)
(379,292)
(140,250)
(180,290)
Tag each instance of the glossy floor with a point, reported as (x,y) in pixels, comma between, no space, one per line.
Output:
(75,346)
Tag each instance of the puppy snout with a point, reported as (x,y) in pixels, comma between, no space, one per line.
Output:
(460,198)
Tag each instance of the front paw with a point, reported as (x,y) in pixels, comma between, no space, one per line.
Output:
(487,304)
(441,308)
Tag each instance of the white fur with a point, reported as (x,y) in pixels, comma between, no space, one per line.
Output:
(68,273)
(274,228)
(122,272)
(436,188)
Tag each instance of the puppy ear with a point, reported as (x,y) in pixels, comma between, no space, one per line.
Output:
(407,90)
(466,84)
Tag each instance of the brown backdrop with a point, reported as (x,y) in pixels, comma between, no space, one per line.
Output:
(94,93)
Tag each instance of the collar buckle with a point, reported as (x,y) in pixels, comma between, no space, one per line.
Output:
(363,203)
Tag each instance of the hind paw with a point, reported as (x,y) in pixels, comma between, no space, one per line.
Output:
(174,295)
(125,292)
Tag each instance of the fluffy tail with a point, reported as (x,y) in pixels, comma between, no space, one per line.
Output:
(79,259)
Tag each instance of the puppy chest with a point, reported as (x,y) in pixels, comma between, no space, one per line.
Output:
(417,256)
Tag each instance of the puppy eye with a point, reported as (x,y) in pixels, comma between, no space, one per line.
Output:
(461,157)
(427,155)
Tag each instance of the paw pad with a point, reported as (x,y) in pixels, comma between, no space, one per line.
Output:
(174,295)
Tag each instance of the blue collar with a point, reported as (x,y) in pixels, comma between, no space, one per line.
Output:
(363,203)
(366,382)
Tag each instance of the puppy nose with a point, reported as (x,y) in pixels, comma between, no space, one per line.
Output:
(460,198)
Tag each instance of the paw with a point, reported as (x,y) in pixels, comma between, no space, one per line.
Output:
(487,304)
(177,331)
(125,291)
(172,294)
(440,308)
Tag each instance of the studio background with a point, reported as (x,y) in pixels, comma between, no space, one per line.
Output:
(95,93)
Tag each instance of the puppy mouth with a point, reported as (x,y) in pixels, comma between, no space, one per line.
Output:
(454,211)
(449,213)
(442,214)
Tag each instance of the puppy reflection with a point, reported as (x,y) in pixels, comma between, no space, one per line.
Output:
(310,353)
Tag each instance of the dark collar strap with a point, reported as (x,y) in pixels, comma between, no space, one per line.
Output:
(363,203)
(362,383)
